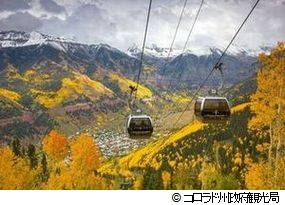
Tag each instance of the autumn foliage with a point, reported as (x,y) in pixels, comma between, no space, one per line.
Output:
(59,164)
(15,172)
(85,154)
(55,146)
(247,152)
(269,121)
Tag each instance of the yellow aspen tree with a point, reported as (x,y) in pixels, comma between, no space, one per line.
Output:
(15,172)
(138,183)
(60,181)
(79,172)
(260,175)
(166,178)
(255,177)
(55,146)
(85,160)
(269,99)
(85,154)
(208,176)
(269,109)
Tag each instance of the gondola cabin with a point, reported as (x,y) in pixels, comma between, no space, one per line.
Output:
(212,109)
(139,126)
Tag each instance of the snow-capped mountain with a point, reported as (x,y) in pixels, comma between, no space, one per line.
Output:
(23,49)
(236,50)
(153,51)
(19,38)
(193,64)
(10,39)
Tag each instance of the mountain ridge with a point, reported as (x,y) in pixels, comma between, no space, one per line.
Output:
(163,52)
(23,55)
(20,38)
(59,84)
(41,47)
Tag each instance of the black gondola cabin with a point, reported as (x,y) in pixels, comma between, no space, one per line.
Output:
(139,126)
(212,109)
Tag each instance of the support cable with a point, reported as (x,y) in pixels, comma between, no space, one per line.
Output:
(216,65)
(135,90)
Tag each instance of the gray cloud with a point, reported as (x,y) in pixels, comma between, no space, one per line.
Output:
(21,21)
(51,6)
(90,23)
(13,5)
(87,23)
(121,23)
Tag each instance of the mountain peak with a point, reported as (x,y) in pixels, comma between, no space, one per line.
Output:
(161,52)
(20,38)
(153,50)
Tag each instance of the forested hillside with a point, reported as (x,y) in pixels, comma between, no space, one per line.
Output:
(50,83)
(246,152)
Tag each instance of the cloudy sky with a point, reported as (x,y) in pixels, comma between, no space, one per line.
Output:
(121,23)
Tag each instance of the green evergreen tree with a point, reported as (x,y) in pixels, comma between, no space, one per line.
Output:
(44,165)
(152,179)
(32,156)
(16,147)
